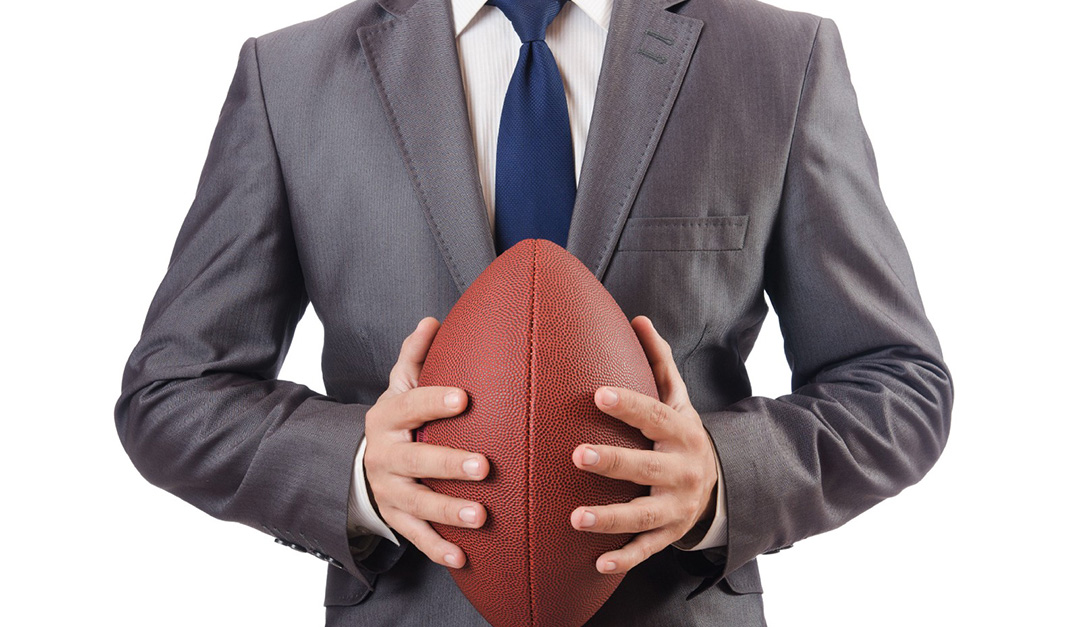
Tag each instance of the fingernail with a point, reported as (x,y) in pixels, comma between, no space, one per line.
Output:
(472,467)
(451,559)
(467,514)
(608,566)
(590,457)
(452,399)
(588,519)
(608,397)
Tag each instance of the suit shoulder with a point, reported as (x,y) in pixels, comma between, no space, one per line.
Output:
(756,21)
(304,55)
(335,30)
(772,41)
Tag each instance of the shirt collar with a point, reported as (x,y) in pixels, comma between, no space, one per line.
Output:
(598,11)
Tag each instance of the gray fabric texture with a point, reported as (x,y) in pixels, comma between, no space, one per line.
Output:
(726,160)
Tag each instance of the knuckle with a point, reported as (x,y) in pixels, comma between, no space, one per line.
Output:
(386,498)
(658,415)
(699,439)
(695,476)
(425,401)
(400,377)
(451,466)
(412,502)
(690,476)
(653,468)
(615,461)
(449,512)
(647,519)
(406,403)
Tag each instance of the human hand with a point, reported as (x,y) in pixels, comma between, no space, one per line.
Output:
(393,461)
(681,468)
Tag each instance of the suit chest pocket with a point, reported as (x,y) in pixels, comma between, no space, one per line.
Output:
(686,273)
(704,233)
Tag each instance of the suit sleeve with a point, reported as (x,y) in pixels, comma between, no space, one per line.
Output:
(201,412)
(871,399)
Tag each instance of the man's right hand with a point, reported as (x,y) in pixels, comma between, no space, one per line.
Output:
(393,461)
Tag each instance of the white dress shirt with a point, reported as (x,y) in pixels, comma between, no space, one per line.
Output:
(488,48)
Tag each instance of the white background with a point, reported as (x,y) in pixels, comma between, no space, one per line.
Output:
(108,109)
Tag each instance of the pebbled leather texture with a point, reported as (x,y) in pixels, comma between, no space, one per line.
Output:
(530,341)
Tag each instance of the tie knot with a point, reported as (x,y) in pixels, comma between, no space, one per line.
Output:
(529,17)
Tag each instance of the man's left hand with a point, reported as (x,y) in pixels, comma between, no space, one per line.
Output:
(681,468)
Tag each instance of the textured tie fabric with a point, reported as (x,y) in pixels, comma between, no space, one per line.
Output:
(534,161)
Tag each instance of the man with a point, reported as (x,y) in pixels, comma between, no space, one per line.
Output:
(725,159)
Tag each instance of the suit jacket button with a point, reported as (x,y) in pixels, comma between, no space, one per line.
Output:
(775,551)
(292,545)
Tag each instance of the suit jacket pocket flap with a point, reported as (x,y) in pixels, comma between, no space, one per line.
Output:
(684,233)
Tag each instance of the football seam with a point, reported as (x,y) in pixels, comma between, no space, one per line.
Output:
(531,441)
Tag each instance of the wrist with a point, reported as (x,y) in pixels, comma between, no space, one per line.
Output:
(704,521)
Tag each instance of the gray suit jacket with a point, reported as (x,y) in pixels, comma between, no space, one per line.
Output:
(726,160)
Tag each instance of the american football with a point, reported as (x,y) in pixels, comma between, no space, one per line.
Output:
(530,341)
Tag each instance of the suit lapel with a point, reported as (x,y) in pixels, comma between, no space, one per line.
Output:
(645,59)
(413,59)
(414,63)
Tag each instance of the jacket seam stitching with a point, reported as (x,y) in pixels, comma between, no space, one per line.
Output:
(798,104)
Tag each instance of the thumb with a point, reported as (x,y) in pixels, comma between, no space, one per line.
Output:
(405,375)
(669,383)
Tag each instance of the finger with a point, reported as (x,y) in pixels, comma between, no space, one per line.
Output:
(405,374)
(655,419)
(414,407)
(425,538)
(422,502)
(644,513)
(429,461)
(643,467)
(643,546)
(669,383)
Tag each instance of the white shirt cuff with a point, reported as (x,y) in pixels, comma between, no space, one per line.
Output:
(717,533)
(363,520)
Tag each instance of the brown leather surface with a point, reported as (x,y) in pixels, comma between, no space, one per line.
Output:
(530,341)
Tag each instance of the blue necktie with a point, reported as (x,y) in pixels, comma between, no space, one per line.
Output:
(534,161)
